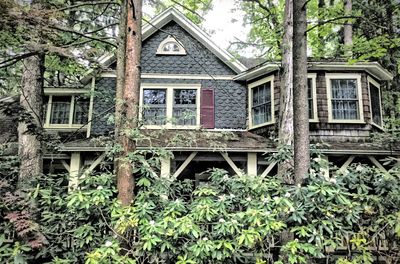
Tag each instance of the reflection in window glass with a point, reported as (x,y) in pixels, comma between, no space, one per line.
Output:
(171,47)
(310,98)
(60,110)
(154,102)
(344,99)
(81,108)
(261,104)
(375,104)
(184,108)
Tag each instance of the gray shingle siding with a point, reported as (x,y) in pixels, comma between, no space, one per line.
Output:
(230,97)
(199,60)
(230,100)
(230,103)
(103,106)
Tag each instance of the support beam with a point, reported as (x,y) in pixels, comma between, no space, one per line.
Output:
(347,163)
(184,165)
(252,164)
(95,163)
(377,164)
(231,163)
(165,167)
(75,169)
(268,169)
(65,164)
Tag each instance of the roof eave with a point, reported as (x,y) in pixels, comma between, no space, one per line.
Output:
(257,72)
(373,68)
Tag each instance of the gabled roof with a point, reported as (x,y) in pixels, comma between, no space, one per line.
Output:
(171,14)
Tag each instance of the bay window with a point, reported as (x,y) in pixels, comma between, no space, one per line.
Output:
(261,102)
(344,98)
(312,97)
(375,102)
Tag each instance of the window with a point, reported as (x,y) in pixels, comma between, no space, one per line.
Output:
(375,102)
(155,102)
(171,46)
(312,97)
(66,111)
(170,105)
(184,109)
(344,98)
(261,102)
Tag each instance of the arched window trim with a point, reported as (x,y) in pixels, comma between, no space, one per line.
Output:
(170,39)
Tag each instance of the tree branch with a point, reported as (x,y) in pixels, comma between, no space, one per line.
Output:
(87,4)
(15,59)
(330,21)
(189,9)
(83,35)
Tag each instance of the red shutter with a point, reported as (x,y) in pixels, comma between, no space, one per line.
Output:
(207,108)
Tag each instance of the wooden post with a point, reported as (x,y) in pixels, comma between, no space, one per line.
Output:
(252,164)
(325,169)
(74,170)
(165,167)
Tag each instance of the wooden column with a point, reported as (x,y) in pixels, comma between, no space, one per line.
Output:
(74,169)
(252,164)
(325,168)
(165,167)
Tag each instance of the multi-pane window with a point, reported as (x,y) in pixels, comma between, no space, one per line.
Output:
(310,98)
(66,111)
(375,98)
(170,105)
(261,104)
(81,110)
(185,107)
(155,106)
(344,99)
(60,110)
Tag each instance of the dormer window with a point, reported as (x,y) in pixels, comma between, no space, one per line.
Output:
(170,46)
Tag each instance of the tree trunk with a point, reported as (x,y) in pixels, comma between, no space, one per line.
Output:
(286,96)
(120,82)
(348,29)
(130,98)
(300,97)
(30,126)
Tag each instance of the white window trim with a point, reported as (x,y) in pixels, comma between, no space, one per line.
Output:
(160,50)
(250,97)
(170,87)
(377,85)
(313,77)
(70,125)
(332,76)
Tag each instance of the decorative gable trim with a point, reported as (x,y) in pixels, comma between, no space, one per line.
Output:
(171,14)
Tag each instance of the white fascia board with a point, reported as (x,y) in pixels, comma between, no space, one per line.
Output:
(171,14)
(373,68)
(257,72)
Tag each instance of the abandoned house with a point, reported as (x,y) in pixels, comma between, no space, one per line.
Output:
(211,110)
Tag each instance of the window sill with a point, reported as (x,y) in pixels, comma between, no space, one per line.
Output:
(170,127)
(65,127)
(346,121)
(261,125)
(314,120)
